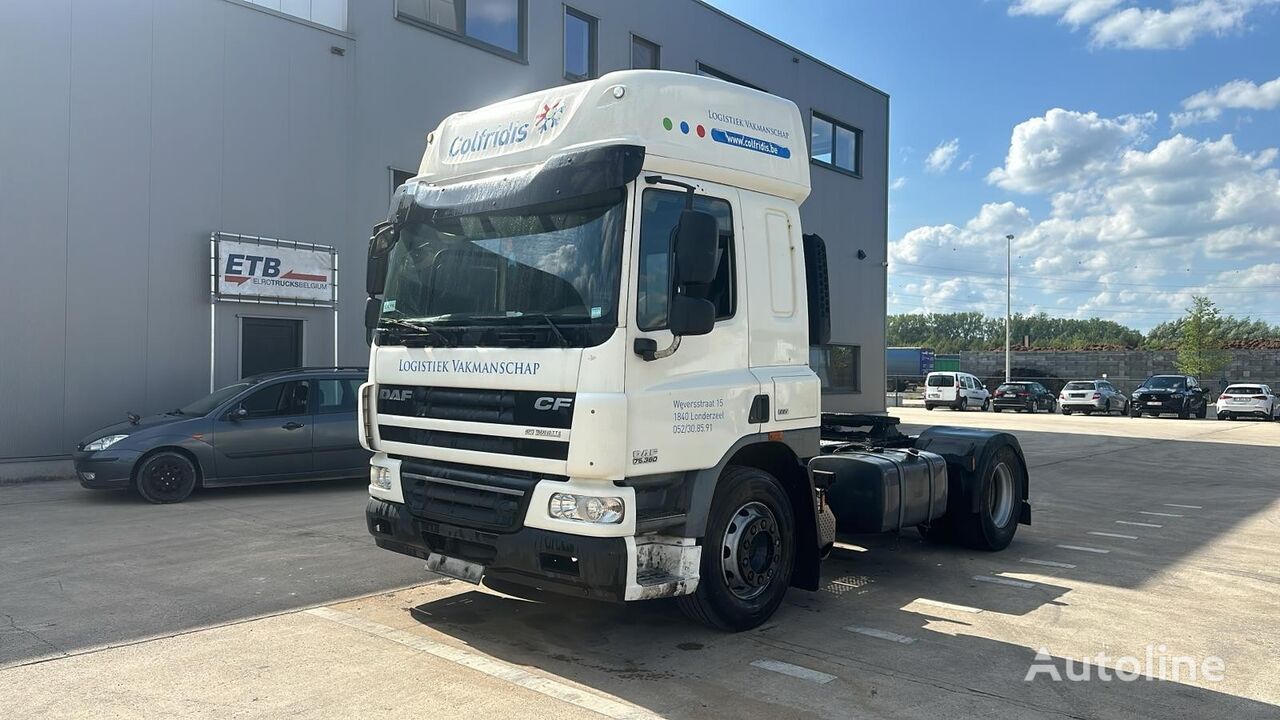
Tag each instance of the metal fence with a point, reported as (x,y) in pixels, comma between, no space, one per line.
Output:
(910,387)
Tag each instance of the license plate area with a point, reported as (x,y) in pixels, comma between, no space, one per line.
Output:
(455,568)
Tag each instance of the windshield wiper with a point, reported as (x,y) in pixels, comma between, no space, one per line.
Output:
(416,327)
(564,342)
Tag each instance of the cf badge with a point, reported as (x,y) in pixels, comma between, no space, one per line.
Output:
(552,403)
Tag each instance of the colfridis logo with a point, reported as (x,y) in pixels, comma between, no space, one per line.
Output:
(549,116)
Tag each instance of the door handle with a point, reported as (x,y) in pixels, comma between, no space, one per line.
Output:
(291,425)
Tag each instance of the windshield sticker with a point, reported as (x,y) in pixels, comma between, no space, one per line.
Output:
(596,312)
(388,305)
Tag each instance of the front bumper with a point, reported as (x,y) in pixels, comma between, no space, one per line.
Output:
(105,469)
(592,567)
(1159,405)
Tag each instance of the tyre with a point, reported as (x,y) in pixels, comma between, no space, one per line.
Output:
(986,405)
(995,409)
(1203,412)
(166,477)
(748,554)
(963,405)
(1224,416)
(1184,412)
(1106,409)
(928,406)
(1065,411)
(1134,412)
(999,498)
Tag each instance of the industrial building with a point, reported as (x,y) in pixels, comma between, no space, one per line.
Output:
(136,133)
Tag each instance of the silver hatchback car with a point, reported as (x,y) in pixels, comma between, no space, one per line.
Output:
(1090,396)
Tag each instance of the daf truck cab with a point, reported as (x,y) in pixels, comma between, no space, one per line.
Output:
(590,317)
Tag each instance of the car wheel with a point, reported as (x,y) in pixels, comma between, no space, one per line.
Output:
(995,409)
(1065,411)
(1106,410)
(748,554)
(963,405)
(1134,412)
(166,477)
(1184,412)
(986,405)
(928,406)
(1222,416)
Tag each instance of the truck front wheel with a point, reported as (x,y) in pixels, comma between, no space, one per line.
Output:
(748,552)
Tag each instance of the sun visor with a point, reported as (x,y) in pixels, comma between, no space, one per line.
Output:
(563,176)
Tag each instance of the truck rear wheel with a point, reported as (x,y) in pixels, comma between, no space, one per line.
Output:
(748,553)
(999,492)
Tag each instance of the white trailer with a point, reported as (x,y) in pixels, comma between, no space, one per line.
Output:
(590,318)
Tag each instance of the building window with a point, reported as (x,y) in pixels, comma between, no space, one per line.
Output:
(579,45)
(659,214)
(839,367)
(494,25)
(708,71)
(644,54)
(329,13)
(835,145)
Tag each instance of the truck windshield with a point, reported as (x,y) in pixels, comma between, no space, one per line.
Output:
(552,270)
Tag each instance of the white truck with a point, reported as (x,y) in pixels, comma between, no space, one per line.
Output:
(590,316)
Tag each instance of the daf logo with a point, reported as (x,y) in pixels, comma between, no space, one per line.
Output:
(552,403)
(399,395)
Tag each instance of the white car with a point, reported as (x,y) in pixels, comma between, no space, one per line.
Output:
(956,390)
(1248,400)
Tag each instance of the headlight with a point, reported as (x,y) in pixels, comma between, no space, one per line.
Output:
(103,443)
(1177,395)
(586,508)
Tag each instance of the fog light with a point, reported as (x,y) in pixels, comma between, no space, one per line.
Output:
(88,475)
(586,508)
(381,478)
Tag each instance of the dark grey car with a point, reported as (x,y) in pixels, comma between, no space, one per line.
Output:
(284,426)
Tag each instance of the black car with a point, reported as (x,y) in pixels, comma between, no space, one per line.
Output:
(283,426)
(1170,394)
(1023,397)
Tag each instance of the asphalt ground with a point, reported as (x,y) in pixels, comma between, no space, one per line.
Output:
(1154,542)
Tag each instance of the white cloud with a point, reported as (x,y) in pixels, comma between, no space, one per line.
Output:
(1123,24)
(1133,229)
(1065,147)
(941,157)
(1207,105)
(898,183)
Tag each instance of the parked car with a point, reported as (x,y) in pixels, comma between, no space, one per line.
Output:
(1023,397)
(1164,394)
(1247,400)
(283,426)
(956,390)
(1090,396)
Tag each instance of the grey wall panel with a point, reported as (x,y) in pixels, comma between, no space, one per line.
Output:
(35,72)
(186,195)
(108,212)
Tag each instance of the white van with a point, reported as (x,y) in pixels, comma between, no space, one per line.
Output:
(956,390)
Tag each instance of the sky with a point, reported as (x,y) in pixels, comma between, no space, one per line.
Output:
(1130,146)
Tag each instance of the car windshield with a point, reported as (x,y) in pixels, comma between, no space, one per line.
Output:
(1243,390)
(555,268)
(1079,386)
(941,380)
(208,403)
(1013,387)
(1166,382)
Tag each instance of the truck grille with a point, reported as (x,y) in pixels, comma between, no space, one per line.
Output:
(550,449)
(488,499)
(503,407)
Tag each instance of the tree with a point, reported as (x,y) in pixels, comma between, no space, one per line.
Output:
(1200,350)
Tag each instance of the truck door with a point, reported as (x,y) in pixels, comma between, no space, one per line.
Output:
(686,410)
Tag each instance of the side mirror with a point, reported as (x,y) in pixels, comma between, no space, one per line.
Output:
(384,238)
(818,291)
(697,237)
(238,414)
(691,316)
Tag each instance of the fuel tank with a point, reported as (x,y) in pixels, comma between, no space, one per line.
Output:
(882,490)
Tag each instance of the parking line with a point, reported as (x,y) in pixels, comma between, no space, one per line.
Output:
(1047,563)
(1189,507)
(489,666)
(1114,535)
(1158,514)
(1003,581)
(882,634)
(948,606)
(1138,524)
(794,671)
(1082,548)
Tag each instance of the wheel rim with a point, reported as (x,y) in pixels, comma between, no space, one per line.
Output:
(752,550)
(165,479)
(1001,495)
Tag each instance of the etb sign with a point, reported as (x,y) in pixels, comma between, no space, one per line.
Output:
(257,270)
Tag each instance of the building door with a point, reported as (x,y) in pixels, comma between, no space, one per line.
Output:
(269,344)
